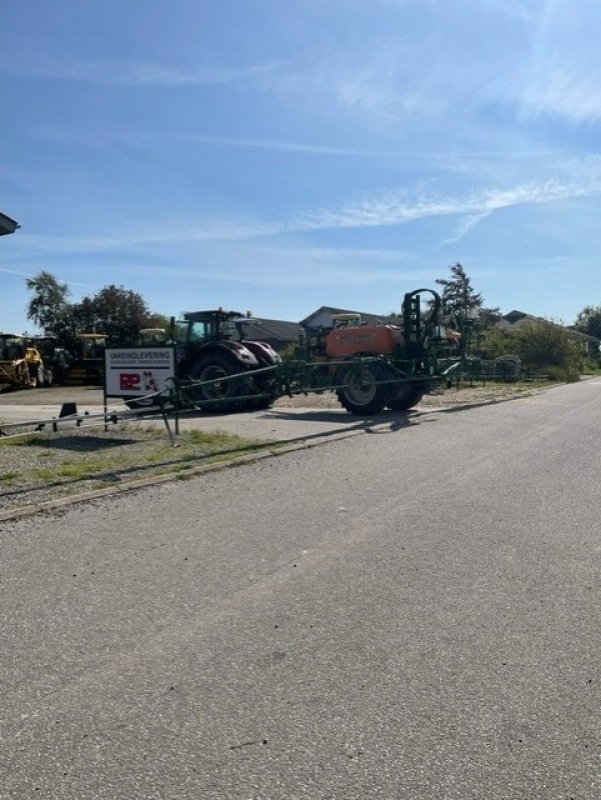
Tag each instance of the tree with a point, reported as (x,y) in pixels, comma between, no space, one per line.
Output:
(458,296)
(49,306)
(114,310)
(118,312)
(158,321)
(463,308)
(589,321)
(489,317)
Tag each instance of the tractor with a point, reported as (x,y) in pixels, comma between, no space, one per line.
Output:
(210,345)
(57,359)
(88,361)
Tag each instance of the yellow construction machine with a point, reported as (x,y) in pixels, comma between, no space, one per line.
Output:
(21,365)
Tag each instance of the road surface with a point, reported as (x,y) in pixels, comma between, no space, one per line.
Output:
(410,613)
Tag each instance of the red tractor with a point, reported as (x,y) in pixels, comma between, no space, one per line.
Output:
(211,347)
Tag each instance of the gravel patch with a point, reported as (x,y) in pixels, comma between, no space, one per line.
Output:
(52,466)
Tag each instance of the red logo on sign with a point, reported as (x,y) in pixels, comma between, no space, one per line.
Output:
(129,380)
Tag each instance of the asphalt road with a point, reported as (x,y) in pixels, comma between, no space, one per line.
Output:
(410,613)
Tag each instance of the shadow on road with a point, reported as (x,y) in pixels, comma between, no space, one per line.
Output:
(80,443)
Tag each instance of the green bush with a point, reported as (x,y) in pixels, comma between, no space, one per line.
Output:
(564,374)
(542,346)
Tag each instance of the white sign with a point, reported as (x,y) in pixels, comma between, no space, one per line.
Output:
(137,371)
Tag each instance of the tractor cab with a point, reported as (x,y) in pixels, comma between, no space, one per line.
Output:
(57,359)
(152,336)
(218,324)
(88,365)
(348,319)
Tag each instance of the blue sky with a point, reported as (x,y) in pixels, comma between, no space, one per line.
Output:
(280,155)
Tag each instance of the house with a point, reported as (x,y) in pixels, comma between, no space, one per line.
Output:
(590,344)
(322,318)
(276,332)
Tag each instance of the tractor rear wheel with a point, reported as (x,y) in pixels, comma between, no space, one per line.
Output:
(363,395)
(220,396)
(404,397)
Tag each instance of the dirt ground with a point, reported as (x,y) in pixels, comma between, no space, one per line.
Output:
(85,395)
(464,395)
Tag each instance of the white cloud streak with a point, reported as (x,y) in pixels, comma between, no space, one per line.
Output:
(567,90)
(294,147)
(382,210)
(134,73)
(34,270)
(399,77)
(393,209)
(563,75)
(442,160)
(466,224)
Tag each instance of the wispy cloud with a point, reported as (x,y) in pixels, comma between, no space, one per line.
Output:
(135,73)
(276,265)
(569,89)
(32,272)
(466,224)
(563,74)
(395,209)
(143,235)
(386,209)
(400,78)
(291,147)
(484,161)
(16,272)
(522,10)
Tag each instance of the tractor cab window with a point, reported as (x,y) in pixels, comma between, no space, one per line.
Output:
(228,329)
(93,348)
(14,349)
(199,330)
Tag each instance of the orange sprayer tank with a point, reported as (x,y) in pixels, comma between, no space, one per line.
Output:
(365,339)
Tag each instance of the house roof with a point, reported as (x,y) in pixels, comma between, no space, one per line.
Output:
(516,318)
(7,225)
(582,335)
(365,316)
(269,330)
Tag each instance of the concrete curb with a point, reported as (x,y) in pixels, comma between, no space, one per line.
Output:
(276,449)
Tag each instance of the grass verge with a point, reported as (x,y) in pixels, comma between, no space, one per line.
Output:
(37,468)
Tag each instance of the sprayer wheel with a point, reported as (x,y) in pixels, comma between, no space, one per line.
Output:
(363,395)
(404,397)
